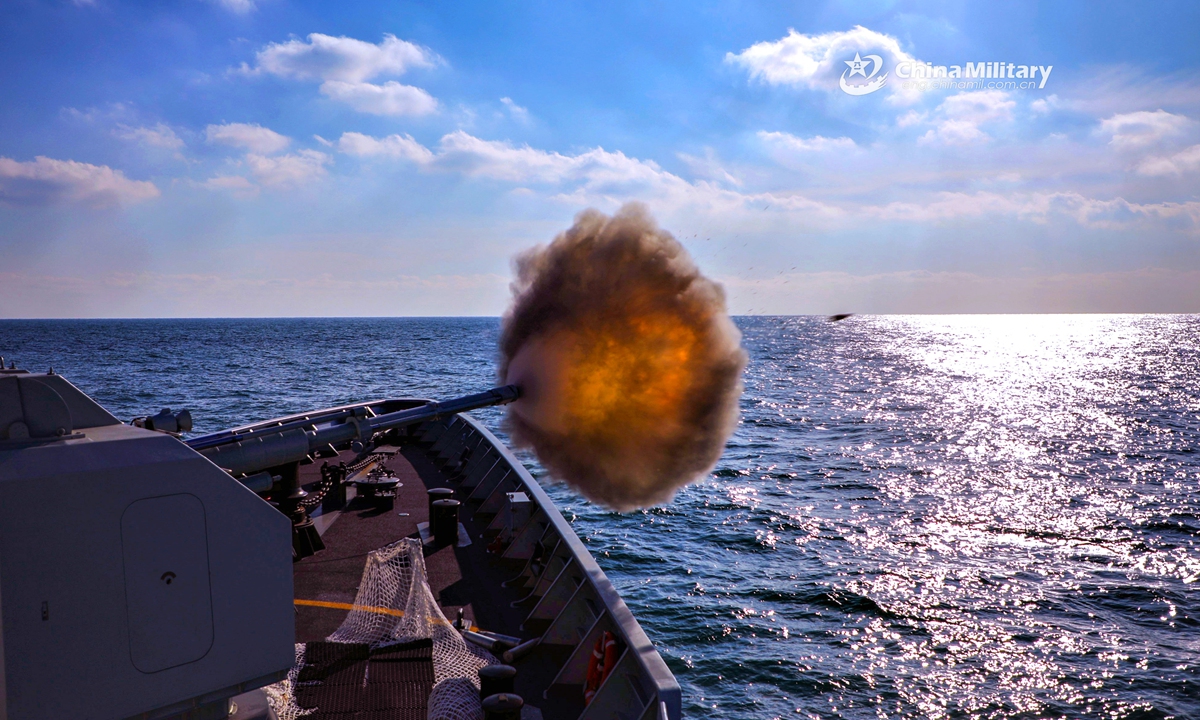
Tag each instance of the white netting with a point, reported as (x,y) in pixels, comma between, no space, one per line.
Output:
(395,605)
(455,698)
(281,695)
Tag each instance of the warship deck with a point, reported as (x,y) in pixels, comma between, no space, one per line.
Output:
(467,578)
(523,574)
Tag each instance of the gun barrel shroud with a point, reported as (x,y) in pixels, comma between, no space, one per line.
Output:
(250,451)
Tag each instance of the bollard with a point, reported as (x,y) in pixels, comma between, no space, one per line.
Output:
(444,522)
(496,679)
(438,494)
(335,496)
(504,706)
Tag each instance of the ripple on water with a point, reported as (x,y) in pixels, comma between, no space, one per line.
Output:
(918,517)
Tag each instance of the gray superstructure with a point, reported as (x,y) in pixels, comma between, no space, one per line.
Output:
(137,579)
(145,577)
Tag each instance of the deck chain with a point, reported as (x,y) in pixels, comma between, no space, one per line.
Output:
(318,493)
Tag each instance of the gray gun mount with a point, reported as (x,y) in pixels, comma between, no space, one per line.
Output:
(138,580)
(268,455)
(251,450)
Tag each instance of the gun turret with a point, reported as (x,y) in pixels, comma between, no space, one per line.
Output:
(150,581)
(250,450)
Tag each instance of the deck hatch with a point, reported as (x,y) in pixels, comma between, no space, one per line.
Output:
(164,541)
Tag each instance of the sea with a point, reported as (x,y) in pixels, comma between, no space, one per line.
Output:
(977,516)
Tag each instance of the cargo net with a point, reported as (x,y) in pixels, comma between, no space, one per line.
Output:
(395,605)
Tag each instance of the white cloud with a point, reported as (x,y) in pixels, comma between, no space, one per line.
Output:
(467,154)
(596,177)
(954,292)
(344,59)
(250,137)
(954,132)
(709,167)
(268,168)
(344,65)
(518,113)
(1046,105)
(461,152)
(254,287)
(392,146)
(959,117)
(950,205)
(1039,207)
(112,112)
(470,155)
(503,161)
(1141,129)
(1184,161)
(159,136)
(1107,89)
(816,143)
(605,178)
(978,107)
(815,62)
(262,290)
(912,117)
(234,184)
(45,181)
(390,98)
(288,170)
(238,7)
(277,171)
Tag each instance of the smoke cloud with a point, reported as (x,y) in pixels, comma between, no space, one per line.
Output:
(629,365)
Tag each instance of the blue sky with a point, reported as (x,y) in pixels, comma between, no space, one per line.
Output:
(267,157)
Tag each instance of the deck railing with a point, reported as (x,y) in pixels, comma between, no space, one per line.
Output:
(568,589)
(573,602)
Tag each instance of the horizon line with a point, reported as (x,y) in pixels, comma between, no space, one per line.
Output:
(499,317)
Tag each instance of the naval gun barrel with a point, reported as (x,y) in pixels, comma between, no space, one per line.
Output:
(279,444)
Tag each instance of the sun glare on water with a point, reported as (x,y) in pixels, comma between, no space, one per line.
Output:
(958,516)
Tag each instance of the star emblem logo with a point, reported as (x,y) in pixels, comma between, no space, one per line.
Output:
(857,65)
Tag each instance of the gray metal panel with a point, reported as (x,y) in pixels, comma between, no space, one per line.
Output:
(167,597)
(61,507)
(46,414)
(10,404)
(81,411)
(649,662)
(3,681)
(85,412)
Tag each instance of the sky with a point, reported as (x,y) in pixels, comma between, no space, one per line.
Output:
(221,158)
